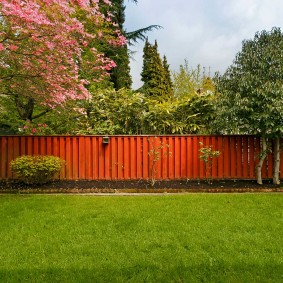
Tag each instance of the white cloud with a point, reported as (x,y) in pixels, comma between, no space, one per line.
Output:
(205,32)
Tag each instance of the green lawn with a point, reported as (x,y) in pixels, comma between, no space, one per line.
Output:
(180,238)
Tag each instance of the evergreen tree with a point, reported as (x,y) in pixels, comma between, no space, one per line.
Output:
(153,73)
(120,75)
(168,80)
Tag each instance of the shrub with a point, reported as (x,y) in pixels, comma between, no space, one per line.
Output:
(37,169)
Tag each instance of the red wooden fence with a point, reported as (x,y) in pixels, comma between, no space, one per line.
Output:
(132,157)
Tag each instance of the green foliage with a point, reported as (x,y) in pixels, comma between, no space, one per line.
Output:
(195,92)
(129,112)
(167,76)
(36,169)
(207,154)
(120,75)
(35,129)
(155,74)
(251,90)
(156,146)
(189,81)
(113,112)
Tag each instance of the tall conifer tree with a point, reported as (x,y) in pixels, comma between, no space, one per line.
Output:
(168,80)
(120,75)
(154,75)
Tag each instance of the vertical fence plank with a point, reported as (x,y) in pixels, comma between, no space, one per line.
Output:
(126,152)
(75,145)
(214,169)
(81,155)
(177,157)
(171,167)
(68,167)
(62,155)
(226,157)
(139,157)
(189,158)
(42,146)
(202,142)
(145,157)
(10,153)
(88,156)
(159,150)
(150,152)
(4,158)
(233,156)
(239,157)
(245,172)
(163,158)
(95,158)
(107,153)
(101,154)
(219,147)
(120,162)
(16,150)
(252,157)
(113,158)
(195,157)
(133,158)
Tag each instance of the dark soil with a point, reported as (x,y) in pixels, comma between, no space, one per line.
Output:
(139,186)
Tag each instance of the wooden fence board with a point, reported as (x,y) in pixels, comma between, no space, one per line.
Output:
(128,157)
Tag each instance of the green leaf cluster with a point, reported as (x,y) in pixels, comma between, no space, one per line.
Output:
(36,169)
(207,153)
(251,90)
(130,112)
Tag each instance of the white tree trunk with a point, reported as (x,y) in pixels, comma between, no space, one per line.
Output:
(263,155)
(276,162)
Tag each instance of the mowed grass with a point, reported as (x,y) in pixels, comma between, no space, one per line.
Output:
(171,238)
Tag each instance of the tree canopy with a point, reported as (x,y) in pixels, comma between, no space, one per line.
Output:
(251,90)
(42,44)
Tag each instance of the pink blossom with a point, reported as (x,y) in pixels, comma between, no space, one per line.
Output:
(13,47)
(53,38)
(107,2)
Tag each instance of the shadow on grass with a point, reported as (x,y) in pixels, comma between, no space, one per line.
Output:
(149,273)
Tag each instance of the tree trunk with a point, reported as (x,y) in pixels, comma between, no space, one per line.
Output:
(263,155)
(276,162)
(25,107)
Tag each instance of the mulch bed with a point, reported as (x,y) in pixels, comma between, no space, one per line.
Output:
(140,186)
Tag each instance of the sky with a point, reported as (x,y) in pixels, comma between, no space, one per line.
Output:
(205,32)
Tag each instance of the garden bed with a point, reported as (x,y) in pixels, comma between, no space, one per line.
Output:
(139,186)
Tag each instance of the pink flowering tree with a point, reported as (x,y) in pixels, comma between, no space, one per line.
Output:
(42,46)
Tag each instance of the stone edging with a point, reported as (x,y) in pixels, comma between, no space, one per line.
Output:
(137,191)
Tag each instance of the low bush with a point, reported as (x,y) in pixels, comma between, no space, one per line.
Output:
(37,169)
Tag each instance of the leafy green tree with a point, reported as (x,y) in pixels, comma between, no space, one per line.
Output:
(114,112)
(251,93)
(188,81)
(195,92)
